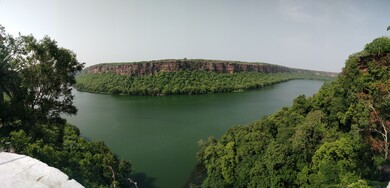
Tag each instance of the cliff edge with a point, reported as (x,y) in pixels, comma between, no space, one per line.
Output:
(173,65)
(23,171)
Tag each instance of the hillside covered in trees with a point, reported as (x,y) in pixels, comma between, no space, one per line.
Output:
(36,79)
(194,76)
(337,138)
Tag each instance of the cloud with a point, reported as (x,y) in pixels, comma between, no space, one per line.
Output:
(295,11)
(321,12)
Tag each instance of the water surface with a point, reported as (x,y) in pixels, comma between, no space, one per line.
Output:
(159,135)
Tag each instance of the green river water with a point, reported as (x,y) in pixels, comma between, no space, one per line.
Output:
(159,134)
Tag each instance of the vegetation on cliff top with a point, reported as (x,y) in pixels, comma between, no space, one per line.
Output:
(183,82)
(181,60)
(35,90)
(337,138)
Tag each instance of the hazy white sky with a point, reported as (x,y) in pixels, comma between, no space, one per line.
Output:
(308,34)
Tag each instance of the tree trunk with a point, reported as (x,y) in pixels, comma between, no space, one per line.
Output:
(384,133)
(1,103)
(1,98)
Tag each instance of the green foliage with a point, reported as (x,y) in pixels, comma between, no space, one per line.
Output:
(334,139)
(46,79)
(379,46)
(335,163)
(310,134)
(85,161)
(182,82)
(36,79)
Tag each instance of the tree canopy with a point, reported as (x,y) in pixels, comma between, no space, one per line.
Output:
(37,77)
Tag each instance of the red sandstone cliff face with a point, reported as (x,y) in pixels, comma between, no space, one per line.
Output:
(154,67)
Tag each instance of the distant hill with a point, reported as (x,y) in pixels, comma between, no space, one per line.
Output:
(183,76)
(145,68)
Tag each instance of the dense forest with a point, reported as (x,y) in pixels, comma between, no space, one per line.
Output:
(36,79)
(337,138)
(183,82)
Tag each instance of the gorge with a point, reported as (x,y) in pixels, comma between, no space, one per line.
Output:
(159,135)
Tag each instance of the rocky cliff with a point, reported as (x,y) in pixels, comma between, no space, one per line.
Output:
(23,171)
(154,67)
(146,68)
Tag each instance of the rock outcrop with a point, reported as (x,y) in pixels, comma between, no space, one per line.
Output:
(154,67)
(23,171)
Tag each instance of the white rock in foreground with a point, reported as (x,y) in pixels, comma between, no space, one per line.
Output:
(23,171)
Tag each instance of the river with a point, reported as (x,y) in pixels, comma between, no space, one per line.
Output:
(159,134)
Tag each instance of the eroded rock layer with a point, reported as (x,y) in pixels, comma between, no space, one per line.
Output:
(154,67)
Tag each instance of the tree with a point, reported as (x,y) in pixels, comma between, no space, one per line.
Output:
(9,81)
(375,95)
(338,163)
(378,104)
(36,79)
(308,135)
(3,70)
(46,73)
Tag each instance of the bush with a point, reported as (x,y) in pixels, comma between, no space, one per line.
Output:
(379,46)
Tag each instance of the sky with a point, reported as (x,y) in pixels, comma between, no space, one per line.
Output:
(309,34)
